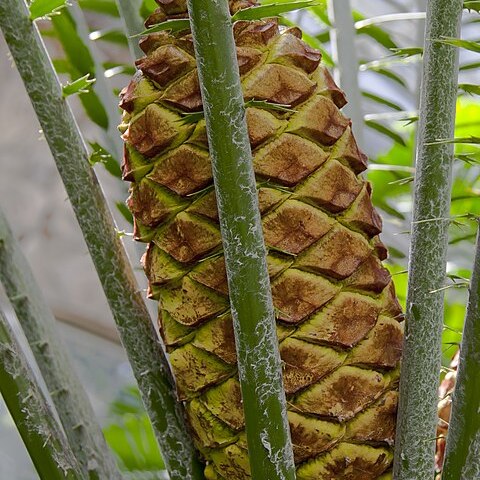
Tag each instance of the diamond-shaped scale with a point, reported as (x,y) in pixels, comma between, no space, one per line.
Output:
(278,84)
(154,129)
(305,363)
(262,126)
(377,423)
(232,462)
(347,152)
(311,436)
(370,277)
(319,120)
(382,348)
(188,237)
(342,394)
(326,86)
(337,254)
(196,369)
(185,170)
(248,58)
(160,267)
(151,203)
(139,93)
(333,187)
(347,461)
(185,94)
(294,226)
(212,273)
(209,431)
(289,50)
(343,322)
(362,215)
(217,337)
(173,333)
(190,303)
(297,294)
(165,64)
(255,34)
(225,402)
(288,159)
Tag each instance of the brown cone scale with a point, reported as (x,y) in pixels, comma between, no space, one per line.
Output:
(337,315)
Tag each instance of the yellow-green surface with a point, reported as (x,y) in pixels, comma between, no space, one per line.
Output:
(338,321)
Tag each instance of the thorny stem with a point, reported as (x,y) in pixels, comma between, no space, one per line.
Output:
(463,442)
(414,453)
(46,444)
(148,360)
(268,436)
(71,402)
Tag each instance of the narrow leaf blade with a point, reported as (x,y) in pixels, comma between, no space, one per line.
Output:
(106,7)
(46,8)
(80,85)
(472,5)
(386,131)
(101,155)
(272,10)
(457,42)
(175,25)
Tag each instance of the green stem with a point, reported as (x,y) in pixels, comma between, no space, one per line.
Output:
(463,443)
(414,455)
(260,373)
(47,446)
(344,53)
(73,407)
(130,13)
(148,360)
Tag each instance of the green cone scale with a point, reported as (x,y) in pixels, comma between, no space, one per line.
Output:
(338,320)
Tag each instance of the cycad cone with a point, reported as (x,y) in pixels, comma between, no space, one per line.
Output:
(338,317)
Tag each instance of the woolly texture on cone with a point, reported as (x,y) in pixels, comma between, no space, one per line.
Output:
(337,315)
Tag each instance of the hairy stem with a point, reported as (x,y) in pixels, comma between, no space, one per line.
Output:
(414,456)
(46,444)
(137,333)
(260,373)
(71,402)
(463,442)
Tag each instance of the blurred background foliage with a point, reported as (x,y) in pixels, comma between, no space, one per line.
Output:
(91,54)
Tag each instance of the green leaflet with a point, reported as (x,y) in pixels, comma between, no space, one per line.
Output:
(456,42)
(385,131)
(472,5)
(80,85)
(175,25)
(101,155)
(272,10)
(81,63)
(107,7)
(46,8)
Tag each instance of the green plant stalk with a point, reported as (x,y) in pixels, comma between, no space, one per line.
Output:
(148,360)
(46,444)
(71,402)
(346,62)
(130,13)
(415,439)
(463,442)
(259,365)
